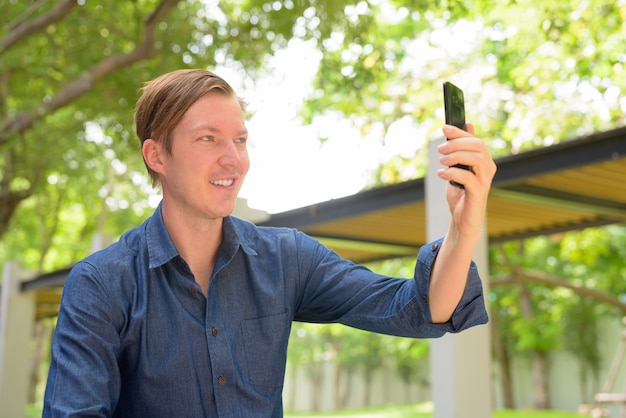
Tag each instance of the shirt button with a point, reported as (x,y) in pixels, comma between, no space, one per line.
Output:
(214,331)
(434,247)
(221,380)
(425,299)
(193,290)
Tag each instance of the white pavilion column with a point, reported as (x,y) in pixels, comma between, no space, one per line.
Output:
(460,363)
(17,320)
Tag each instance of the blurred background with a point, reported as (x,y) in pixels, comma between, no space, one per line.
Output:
(343,96)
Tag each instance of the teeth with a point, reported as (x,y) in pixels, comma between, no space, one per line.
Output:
(223,182)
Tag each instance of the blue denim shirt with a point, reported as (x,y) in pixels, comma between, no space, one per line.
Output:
(136,337)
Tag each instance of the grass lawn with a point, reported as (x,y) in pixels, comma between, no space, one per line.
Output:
(424,410)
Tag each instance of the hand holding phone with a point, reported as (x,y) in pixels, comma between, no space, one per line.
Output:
(454,106)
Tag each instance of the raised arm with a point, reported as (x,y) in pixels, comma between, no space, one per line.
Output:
(467,208)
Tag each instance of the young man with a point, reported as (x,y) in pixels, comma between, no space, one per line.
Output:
(189,314)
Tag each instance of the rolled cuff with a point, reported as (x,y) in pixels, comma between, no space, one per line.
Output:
(470,311)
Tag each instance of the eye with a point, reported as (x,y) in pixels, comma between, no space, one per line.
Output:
(242,140)
(207,138)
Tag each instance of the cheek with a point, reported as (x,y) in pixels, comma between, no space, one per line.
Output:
(245,162)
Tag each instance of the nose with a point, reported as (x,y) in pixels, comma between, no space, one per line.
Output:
(230,154)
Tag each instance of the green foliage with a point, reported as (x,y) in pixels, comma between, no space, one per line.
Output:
(596,258)
(559,317)
(529,82)
(81,191)
(534,72)
(552,75)
(407,352)
(308,347)
(560,65)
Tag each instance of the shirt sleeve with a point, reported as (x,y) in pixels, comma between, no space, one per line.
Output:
(337,290)
(471,309)
(84,378)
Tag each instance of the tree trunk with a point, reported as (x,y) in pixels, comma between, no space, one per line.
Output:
(539,366)
(42,336)
(317,377)
(8,204)
(339,387)
(504,362)
(540,378)
(348,387)
(367,388)
(291,402)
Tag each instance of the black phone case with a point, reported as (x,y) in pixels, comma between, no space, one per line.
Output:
(454,107)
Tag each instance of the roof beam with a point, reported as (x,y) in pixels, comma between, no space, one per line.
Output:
(367,201)
(55,278)
(601,146)
(368,246)
(563,200)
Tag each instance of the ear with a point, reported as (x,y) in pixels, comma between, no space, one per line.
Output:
(153,154)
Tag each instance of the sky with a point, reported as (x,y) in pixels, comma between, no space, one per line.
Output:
(290,167)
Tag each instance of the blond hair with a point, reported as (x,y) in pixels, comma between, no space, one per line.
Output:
(165,100)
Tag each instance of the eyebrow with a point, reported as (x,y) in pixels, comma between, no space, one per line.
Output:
(201,127)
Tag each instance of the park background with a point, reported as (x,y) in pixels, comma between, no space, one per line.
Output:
(343,96)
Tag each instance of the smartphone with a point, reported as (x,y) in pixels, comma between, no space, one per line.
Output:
(454,107)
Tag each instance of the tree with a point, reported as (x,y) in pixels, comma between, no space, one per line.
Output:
(407,353)
(554,74)
(69,73)
(22,133)
(66,64)
(552,292)
(308,349)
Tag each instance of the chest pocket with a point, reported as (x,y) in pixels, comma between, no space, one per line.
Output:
(265,347)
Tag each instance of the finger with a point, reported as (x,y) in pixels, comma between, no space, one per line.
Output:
(452,132)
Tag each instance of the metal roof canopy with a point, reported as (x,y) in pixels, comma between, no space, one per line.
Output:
(571,185)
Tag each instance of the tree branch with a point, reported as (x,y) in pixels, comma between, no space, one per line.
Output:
(21,31)
(521,275)
(145,50)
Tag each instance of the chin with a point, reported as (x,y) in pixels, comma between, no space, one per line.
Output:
(222,213)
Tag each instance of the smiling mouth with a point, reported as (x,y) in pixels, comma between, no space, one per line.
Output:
(228,182)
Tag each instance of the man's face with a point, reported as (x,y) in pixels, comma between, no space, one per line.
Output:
(209,158)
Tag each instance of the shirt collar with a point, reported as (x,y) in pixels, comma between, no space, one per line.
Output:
(161,248)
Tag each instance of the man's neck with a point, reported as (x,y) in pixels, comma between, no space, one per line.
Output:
(197,240)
